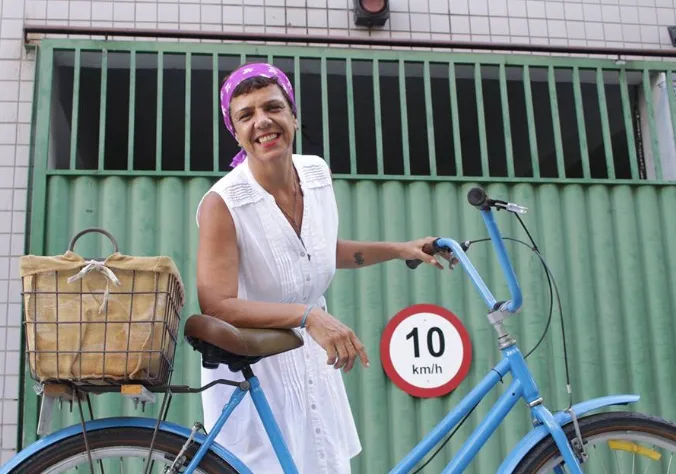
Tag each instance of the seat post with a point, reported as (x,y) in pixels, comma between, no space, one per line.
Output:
(247,372)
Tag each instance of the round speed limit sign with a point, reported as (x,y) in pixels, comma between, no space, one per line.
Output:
(426,350)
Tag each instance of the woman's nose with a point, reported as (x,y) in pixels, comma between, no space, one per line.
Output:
(262,120)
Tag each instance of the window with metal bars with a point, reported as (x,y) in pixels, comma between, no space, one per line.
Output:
(371,114)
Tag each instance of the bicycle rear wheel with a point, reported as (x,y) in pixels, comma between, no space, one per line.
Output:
(117,451)
(615,442)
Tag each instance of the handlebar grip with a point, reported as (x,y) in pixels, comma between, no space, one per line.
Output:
(429,249)
(477,197)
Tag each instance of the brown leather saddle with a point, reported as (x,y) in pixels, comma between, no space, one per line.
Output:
(222,343)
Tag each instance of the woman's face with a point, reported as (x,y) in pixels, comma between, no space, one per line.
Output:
(264,123)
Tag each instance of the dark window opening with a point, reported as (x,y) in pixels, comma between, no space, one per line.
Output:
(519,126)
(312,120)
(492,98)
(202,95)
(364,117)
(469,121)
(145,112)
(338,122)
(351,125)
(391,111)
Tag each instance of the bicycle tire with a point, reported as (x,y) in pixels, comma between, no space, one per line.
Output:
(167,443)
(594,425)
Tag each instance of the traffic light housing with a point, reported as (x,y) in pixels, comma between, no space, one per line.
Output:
(371,13)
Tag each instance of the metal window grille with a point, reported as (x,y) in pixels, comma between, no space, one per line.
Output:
(153,109)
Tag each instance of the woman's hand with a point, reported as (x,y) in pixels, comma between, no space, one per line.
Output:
(415,249)
(340,342)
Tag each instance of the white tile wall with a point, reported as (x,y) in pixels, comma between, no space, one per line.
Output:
(589,22)
(16,83)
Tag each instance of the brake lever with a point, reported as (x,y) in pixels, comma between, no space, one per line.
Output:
(515,208)
(509,207)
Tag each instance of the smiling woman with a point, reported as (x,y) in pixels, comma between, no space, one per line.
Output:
(268,250)
(261,139)
(259,93)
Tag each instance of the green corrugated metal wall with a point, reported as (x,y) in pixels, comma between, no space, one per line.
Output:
(610,244)
(610,247)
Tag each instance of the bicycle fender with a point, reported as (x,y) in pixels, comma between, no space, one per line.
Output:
(537,434)
(121,422)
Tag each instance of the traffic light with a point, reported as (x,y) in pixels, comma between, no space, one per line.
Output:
(371,12)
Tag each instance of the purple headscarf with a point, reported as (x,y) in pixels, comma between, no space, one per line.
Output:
(245,72)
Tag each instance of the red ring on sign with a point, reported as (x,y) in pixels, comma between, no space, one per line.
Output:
(387,361)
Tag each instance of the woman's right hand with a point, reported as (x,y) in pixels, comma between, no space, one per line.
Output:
(339,341)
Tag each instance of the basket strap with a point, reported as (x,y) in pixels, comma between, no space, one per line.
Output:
(95,265)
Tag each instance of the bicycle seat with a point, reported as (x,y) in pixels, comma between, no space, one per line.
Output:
(222,343)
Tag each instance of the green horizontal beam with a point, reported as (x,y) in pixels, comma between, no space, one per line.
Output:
(365,177)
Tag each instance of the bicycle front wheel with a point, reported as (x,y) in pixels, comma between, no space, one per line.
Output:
(619,442)
(119,451)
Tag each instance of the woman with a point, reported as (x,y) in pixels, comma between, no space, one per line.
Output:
(268,249)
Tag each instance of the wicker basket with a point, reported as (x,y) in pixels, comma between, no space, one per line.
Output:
(101,322)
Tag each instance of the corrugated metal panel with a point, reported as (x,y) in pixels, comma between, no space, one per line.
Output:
(611,249)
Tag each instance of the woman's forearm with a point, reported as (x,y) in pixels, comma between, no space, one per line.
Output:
(253,314)
(357,254)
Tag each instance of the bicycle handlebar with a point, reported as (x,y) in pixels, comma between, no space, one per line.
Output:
(432,249)
(478,198)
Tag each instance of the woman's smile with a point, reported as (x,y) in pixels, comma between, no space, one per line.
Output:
(268,140)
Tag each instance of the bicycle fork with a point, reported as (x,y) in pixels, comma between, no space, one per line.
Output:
(531,394)
(545,417)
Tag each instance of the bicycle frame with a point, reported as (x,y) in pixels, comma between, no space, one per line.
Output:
(267,417)
(523,385)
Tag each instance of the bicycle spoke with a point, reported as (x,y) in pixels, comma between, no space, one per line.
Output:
(617,463)
(605,468)
(633,463)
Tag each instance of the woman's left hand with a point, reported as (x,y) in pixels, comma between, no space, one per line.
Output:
(414,250)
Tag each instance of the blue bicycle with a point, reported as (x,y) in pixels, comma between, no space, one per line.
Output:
(572,440)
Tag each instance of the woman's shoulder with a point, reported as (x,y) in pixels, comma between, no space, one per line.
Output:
(235,188)
(309,160)
(314,169)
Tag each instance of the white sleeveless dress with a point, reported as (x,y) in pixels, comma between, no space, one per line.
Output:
(307,396)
